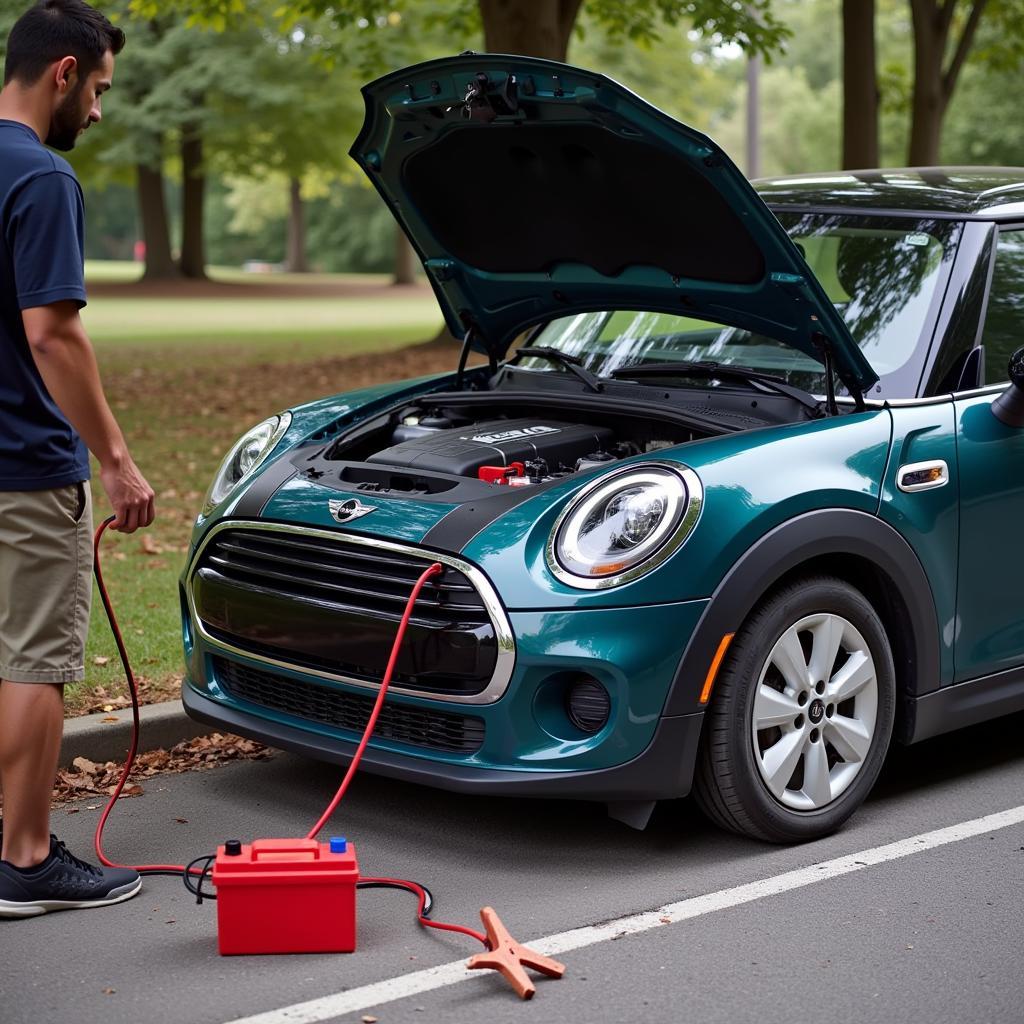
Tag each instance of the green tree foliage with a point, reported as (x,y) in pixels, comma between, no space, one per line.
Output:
(752,24)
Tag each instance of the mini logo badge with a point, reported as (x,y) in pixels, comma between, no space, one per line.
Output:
(351,508)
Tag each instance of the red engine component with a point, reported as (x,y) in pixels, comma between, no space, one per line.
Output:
(286,896)
(501,474)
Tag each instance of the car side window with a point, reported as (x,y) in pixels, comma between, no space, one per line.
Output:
(1005,315)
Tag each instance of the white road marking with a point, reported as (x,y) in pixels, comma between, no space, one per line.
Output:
(418,982)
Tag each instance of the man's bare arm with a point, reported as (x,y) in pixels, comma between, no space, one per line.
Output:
(66,362)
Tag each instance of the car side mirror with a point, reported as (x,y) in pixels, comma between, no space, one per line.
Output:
(1008,408)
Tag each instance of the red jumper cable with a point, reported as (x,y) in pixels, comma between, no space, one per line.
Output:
(504,954)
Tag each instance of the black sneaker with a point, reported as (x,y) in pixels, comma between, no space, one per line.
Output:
(62,882)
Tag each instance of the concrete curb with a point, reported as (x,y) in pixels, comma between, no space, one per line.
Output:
(107,735)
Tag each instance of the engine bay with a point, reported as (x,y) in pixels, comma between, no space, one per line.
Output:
(454,447)
(520,429)
(515,452)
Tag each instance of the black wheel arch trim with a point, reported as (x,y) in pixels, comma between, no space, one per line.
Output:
(813,535)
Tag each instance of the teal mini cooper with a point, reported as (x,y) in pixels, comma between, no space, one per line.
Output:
(728,509)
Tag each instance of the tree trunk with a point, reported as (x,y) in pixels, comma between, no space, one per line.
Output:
(934,84)
(753,116)
(541,28)
(193,188)
(860,85)
(405,259)
(928,104)
(156,235)
(295,258)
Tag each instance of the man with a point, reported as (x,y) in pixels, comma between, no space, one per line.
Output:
(60,60)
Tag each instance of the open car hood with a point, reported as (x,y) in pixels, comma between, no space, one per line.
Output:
(533,190)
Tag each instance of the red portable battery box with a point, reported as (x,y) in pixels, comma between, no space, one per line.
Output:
(286,896)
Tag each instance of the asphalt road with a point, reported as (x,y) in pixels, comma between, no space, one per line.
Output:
(935,935)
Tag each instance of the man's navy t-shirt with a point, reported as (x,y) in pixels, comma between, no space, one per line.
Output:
(41,261)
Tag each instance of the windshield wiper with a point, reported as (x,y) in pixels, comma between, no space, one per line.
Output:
(708,370)
(571,363)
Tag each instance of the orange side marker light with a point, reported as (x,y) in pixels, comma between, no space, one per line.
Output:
(716,661)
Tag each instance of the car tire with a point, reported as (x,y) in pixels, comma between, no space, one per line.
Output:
(779,760)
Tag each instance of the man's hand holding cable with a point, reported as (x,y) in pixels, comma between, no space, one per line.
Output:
(130,495)
(65,359)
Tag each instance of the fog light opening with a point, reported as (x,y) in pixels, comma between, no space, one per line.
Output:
(588,705)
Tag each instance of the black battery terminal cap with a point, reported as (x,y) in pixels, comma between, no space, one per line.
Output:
(233,847)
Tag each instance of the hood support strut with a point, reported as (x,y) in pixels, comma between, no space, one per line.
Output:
(823,346)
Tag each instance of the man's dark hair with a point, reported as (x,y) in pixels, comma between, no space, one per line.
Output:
(53,29)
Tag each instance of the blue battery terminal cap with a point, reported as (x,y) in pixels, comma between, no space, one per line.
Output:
(339,844)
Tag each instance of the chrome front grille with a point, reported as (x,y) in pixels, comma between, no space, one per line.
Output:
(329,603)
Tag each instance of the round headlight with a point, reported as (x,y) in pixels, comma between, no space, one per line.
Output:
(247,453)
(623,525)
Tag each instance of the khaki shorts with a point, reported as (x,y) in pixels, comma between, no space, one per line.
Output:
(45,584)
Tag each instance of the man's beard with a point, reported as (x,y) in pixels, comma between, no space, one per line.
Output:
(67,121)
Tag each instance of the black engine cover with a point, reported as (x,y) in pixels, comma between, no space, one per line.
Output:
(463,450)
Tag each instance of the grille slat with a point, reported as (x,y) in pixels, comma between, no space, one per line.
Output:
(243,549)
(401,723)
(273,592)
(398,600)
(378,557)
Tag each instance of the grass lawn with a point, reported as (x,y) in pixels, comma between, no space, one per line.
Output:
(184,385)
(126,272)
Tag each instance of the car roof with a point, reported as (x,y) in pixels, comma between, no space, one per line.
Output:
(973,193)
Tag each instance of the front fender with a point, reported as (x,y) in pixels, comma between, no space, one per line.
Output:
(834,532)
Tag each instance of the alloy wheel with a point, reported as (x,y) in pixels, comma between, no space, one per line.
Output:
(814,711)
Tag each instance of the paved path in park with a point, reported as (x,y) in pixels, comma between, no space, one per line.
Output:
(912,913)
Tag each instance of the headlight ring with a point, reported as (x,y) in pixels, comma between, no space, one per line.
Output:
(624,524)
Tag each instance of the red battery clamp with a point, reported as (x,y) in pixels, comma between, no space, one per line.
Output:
(502,474)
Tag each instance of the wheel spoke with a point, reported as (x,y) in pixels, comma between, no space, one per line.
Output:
(788,658)
(828,635)
(817,784)
(850,737)
(780,760)
(858,671)
(772,708)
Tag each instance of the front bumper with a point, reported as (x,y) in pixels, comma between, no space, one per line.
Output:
(528,744)
(664,770)
(633,653)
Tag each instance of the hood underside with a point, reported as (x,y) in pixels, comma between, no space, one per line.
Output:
(533,190)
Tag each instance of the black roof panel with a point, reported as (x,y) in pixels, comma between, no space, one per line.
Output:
(990,193)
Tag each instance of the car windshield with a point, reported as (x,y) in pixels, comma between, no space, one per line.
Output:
(884,275)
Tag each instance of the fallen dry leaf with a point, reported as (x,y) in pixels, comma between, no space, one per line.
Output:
(101,659)
(86,778)
(149,546)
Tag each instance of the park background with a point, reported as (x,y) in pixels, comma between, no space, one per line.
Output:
(238,262)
